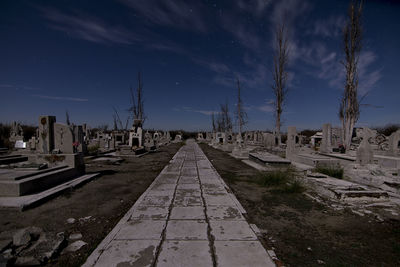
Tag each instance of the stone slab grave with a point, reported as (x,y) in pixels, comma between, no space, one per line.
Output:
(268,158)
(185,218)
(342,190)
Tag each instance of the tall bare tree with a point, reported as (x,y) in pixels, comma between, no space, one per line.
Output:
(240,114)
(349,110)
(137,108)
(117,120)
(280,74)
(213,122)
(67,117)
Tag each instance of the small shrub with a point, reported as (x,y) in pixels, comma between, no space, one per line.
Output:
(336,172)
(92,150)
(294,187)
(274,178)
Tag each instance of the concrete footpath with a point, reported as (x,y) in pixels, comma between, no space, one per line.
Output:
(185,218)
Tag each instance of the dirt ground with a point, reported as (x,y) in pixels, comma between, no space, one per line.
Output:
(106,199)
(306,233)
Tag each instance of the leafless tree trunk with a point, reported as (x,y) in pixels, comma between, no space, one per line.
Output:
(67,117)
(241,115)
(280,74)
(117,120)
(213,122)
(349,110)
(137,103)
(224,121)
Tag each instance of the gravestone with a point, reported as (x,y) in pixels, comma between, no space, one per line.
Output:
(16,132)
(46,134)
(268,140)
(364,152)
(291,142)
(63,138)
(394,143)
(326,144)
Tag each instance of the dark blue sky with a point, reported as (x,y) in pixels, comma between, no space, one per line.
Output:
(82,56)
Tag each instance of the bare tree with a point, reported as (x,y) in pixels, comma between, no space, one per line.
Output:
(137,103)
(280,74)
(224,121)
(241,115)
(349,110)
(115,128)
(67,118)
(117,119)
(213,122)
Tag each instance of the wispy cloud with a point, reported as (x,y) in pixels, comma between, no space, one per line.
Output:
(177,14)
(331,27)
(62,98)
(189,109)
(88,28)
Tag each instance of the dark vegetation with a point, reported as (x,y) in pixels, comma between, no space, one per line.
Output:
(336,172)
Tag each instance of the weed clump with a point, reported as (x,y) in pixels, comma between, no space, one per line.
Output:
(275,178)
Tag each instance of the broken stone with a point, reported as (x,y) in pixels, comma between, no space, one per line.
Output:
(75,236)
(309,249)
(45,248)
(71,220)
(85,219)
(75,246)
(320,262)
(21,237)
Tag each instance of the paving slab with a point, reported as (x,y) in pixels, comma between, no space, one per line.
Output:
(232,230)
(224,213)
(186,230)
(148,212)
(185,201)
(141,229)
(156,201)
(218,200)
(187,213)
(189,186)
(185,253)
(129,253)
(241,253)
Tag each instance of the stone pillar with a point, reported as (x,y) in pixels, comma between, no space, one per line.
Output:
(46,134)
(326,142)
(291,142)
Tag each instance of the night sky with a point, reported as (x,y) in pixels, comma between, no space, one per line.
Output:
(82,56)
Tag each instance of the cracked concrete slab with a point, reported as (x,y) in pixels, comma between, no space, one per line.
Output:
(232,230)
(185,253)
(128,253)
(148,212)
(224,213)
(241,253)
(141,229)
(186,230)
(187,213)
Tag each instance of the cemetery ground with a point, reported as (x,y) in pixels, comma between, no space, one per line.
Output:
(96,207)
(304,232)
